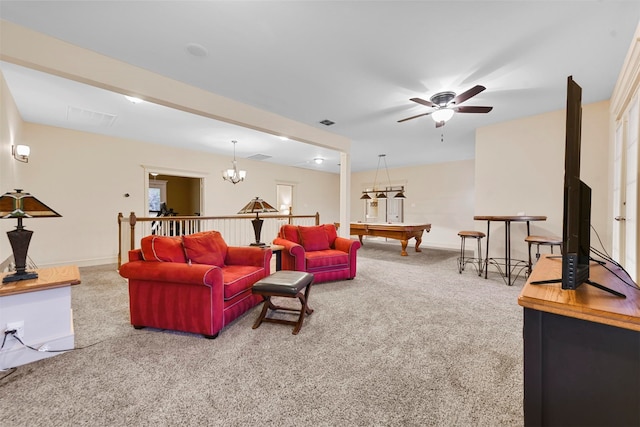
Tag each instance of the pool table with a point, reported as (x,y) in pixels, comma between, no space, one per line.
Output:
(399,231)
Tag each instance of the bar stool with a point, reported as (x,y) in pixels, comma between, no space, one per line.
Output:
(541,241)
(462,260)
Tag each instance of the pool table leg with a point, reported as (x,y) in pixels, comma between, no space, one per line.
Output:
(404,243)
(418,241)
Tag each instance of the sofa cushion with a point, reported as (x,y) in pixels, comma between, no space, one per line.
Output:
(314,238)
(207,247)
(162,249)
(332,233)
(239,278)
(290,233)
(328,258)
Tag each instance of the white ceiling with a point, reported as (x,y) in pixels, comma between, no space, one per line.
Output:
(356,63)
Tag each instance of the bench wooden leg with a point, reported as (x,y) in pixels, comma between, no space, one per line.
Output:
(297,324)
(266,305)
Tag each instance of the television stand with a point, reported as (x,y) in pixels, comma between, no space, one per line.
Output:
(588,282)
(581,352)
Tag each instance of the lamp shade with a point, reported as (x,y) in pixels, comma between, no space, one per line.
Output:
(24,205)
(256,206)
(21,205)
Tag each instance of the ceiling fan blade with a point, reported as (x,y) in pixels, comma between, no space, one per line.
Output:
(470,109)
(414,117)
(468,94)
(440,124)
(423,102)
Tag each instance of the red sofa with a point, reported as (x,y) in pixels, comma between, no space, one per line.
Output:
(194,283)
(318,250)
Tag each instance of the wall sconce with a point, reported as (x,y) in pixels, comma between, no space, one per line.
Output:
(21,153)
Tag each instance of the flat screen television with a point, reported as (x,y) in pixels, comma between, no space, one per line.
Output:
(576,220)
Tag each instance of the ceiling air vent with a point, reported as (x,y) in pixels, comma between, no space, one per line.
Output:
(327,122)
(259,157)
(90,118)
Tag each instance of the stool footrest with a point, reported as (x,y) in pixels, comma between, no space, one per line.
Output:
(284,284)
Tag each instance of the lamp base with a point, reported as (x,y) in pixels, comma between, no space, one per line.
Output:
(260,244)
(20,276)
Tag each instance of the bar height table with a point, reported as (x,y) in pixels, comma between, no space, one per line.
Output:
(507,219)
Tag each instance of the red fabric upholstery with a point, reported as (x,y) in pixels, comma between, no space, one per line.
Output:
(313,238)
(162,249)
(338,262)
(289,232)
(332,233)
(192,297)
(207,247)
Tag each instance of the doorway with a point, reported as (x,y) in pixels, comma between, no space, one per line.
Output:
(625,188)
(168,194)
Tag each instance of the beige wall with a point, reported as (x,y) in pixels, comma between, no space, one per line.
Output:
(520,168)
(85,176)
(10,170)
(440,194)
(40,52)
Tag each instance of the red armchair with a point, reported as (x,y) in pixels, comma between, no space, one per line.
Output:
(318,250)
(193,283)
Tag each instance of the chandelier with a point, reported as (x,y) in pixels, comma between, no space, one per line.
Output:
(234,175)
(382,194)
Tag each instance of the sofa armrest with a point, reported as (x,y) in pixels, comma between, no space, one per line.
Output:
(248,255)
(292,255)
(346,245)
(194,274)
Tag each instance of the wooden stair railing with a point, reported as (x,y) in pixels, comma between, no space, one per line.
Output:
(237,230)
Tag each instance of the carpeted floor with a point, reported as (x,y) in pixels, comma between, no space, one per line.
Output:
(409,342)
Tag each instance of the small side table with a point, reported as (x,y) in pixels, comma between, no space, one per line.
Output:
(277,250)
(43,305)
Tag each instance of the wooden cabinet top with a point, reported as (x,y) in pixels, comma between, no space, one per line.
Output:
(586,302)
(48,278)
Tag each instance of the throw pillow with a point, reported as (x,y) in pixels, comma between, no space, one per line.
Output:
(332,233)
(314,238)
(162,249)
(290,233)
(207,247)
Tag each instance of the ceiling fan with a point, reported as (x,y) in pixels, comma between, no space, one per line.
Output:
(445,104)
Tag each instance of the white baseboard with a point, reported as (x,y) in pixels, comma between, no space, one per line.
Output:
(88,262)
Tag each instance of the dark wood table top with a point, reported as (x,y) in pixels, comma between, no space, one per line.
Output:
(521,218)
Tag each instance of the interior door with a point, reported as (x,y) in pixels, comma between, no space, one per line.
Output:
(631,192)
(625,189)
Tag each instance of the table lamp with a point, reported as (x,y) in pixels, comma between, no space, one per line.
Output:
(22,205)
(256,206)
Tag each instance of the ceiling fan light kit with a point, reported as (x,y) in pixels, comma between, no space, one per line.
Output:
(442,115)
(445,104)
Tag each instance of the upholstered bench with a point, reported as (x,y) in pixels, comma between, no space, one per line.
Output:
(287,284)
